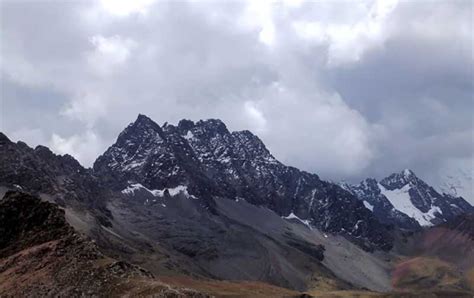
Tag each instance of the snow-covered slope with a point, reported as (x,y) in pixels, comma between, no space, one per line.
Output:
(405,200)
(401,200)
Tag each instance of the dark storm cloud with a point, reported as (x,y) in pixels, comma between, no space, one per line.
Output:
(346,90)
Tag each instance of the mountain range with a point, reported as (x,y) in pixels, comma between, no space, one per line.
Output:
(199,201)
(405,200)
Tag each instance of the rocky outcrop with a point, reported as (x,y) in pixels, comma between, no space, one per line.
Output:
(38,246)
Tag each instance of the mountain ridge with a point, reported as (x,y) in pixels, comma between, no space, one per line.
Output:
(211,161)
(405,200)
(199,200)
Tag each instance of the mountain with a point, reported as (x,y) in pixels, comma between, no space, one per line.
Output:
(182,241)
(60,179)
(194,230)
(404,200)
(204,160)
(201,207)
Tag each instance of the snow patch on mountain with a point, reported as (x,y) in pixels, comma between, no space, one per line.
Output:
(132,188)
(293,216)
(174,191)
(189,135)
(400,199)
(368,205)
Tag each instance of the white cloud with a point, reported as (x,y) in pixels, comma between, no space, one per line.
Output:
(319,128)
(259,15)
(84,147)
(86,108)
(32,136)
(348,41)
(126,7)
(20,70)
(109,53)
(255,116)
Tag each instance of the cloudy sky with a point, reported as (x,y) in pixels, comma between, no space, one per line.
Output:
(346,89)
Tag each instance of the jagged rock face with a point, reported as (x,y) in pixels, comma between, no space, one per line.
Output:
(40,171)
(408,202)
(29,167)
(141,153)
(210,161)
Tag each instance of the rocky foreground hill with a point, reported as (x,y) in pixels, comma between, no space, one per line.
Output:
(42,255)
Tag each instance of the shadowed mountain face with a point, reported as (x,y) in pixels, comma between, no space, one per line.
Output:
(404,200)
(209,161)
(38,247)
(26,221)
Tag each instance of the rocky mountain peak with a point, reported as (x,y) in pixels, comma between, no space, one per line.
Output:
(142,126)
(407,201)
(253,145)
(133,147)
(185,124)
(144,120)
(208,161)
(43,151)
(212,126)
(369,183)
(399,180)
(4,139)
